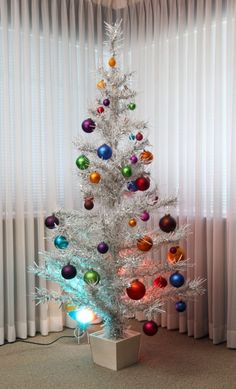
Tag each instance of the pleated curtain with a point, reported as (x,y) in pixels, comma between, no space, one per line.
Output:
(183,53)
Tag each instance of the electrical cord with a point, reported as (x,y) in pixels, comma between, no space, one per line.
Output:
(37,343)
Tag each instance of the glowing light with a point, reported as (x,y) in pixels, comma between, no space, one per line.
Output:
(84,316)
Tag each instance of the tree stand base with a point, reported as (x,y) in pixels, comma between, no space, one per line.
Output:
(115,354)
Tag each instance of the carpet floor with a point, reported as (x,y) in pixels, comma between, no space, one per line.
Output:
(168,360)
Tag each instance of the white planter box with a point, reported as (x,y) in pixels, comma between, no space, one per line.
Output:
(115,354)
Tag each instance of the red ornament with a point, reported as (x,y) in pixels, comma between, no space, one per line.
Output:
(142,183)
(88,203)
(167,223)
(150,328)
(136,291)
(100,109)
(139,136)
(160,282)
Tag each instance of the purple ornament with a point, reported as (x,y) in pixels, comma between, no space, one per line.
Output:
(68,272)
(144,216)
(106,102)
(102,248)
(88,125)
(51,221)
(133,159)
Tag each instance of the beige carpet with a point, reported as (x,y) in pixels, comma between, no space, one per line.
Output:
(169,360)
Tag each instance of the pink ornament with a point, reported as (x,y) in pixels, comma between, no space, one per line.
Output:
(150,328)
(145,216)
(133,159)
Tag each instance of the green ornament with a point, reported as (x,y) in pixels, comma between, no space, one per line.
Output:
(131,106)
(126,171)
(82,162)
(91,277)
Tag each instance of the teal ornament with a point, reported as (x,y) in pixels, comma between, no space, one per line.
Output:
(126,171)
(131,137)
(61,242)
(132,106)
(82,162)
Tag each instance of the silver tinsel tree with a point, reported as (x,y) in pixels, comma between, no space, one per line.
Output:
(102,260)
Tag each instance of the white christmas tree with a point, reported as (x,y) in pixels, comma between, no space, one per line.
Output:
(102,260)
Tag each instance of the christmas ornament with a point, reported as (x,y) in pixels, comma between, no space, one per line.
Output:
(131,106)
(131,186)
(100,109)
(180,306)
(112,62)
(150,328)
(101,84)
(145,216)
(142,183)
(88,203)
(82,162)
(126,171)
(160,282)
(139,136)
(61,242)
(68,272)
(167,223)
(136,291)
(95,177)
(88,125)
(51,221)
(175,254)
(106,102)
(131,137)
(102,248)
(132,222)
(146,157)
(176,279)
(104,151)
(145,243)
(134,159)
(91,277)
(70,308)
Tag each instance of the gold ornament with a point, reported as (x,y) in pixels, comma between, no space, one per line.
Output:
(112,62)
(95,177)
(132,222)
(146,157)
(101,84)
(70,308)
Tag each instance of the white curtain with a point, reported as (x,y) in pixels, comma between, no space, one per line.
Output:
(184,55)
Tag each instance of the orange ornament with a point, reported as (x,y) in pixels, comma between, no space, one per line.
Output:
(112,62)
(175,254)
(132,222)
(145,243)
(146,157)
(101,84)
(136,291)
(95,177)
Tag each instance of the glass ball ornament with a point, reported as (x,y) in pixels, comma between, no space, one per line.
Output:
(95,177)
(131,186)
(136,291)
(145,216)
(142,183)
(61,242)
(180,306)
(131,136)
(176,279)
(101,84)
(145,243)
(88,125)
(68,272)
(126,171)
(104,152)
(167,223)
(112,62)
(160,282)
(88,204)
(82,162)
(100,110)
(146,157)
(102,248)
(175,254)
(150,328)
(106,102)
(133,159)
(51,222)
(132,106)
(132,222)
(91,277)
(139,136)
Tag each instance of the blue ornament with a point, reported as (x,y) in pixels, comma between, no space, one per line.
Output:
(180,306)
(104,152)
(131,137)
(131,186)
(72,314)
(176,279)
(61,242)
